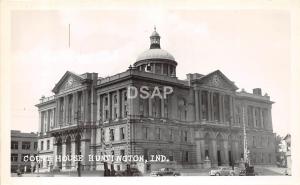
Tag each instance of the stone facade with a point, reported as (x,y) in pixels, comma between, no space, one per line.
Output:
(201,120)
(23,144)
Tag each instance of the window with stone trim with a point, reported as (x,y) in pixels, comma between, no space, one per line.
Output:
(14,157)
(48,144)
(14,145)
(42,145)
(158,133)
(25,145)
(122,133)
(171,134)
(112,134)
(186,157)
(185,136)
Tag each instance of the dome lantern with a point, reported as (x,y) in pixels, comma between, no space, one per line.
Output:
(154,40)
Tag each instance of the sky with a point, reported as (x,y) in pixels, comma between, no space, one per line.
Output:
(251,47)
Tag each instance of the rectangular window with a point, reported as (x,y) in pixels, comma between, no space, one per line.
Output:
(185,136)
(186,156)
(116,113)
(48,144)
(112,134)
(42,145)
(35,145)
(171,134)
(122,133)
(122,152)
(206,153)
(14,145)
(171,156)
(125,111)
(146,133)
(14,157)
(106,101)
(158,133)
(115,99)
(26,145)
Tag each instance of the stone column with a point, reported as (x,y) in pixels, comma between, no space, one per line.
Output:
(109,106)
(119,104)
(224,108)
(55,155)
(58,113)
(236,155)
(213,157)
(98,107)
(198,154)
(74,108)
(209,118)
(150,107)
(63,153)
(162,109)
(85,148)
(221,108)
(196,105)
(40,122)
(253,115)
(212,106)
(200,105)
(66,102)
(202,148)
(73,153)
(85,106)
(47,122)
(226,157)
(231,111)
(261,118)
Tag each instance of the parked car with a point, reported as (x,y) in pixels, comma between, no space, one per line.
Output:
(165,172)
(248,171)
(223,171)
(132,172)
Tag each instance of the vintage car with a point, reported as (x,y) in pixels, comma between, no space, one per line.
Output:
(165,172)
(223,171)
(132,172)
(248,171)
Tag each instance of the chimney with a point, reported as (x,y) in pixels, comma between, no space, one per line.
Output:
(257,91)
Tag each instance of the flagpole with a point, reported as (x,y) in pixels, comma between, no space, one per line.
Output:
(69,35)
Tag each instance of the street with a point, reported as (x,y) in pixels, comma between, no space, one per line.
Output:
(259,170)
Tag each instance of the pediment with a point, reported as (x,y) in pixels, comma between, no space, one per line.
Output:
(218,80)
(68,81)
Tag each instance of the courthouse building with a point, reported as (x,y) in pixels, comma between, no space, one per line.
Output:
(202,119)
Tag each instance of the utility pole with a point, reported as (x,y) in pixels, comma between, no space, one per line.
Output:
(231,148)
(246,151)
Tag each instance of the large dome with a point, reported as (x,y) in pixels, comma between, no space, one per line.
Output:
(155,54)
